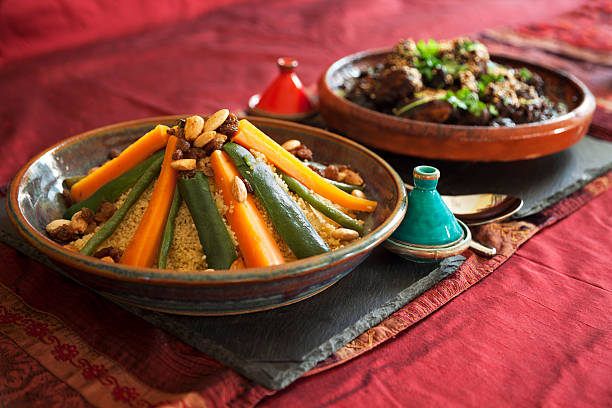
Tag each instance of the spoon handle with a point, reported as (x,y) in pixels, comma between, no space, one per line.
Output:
(481,249)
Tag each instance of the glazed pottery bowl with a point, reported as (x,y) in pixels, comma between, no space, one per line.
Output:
(455,142)
(34,202)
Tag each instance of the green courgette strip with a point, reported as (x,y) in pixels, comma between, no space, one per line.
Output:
(113,222)
(214,237)
(342,186)
(114,188)
(71,181)
(331,212)
(168,234)
(287,217)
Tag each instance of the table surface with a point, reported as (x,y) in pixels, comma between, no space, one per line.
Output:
(537,331)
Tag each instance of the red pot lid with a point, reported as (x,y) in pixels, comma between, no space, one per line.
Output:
(285,96)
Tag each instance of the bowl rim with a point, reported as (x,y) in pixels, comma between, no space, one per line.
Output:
(585,107)
(154,276)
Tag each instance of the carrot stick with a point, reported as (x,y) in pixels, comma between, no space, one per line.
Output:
(252,138)
(143,248)
(135,153)
(257,245)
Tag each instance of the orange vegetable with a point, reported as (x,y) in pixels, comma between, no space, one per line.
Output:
(134,154)
(237,264)
(143,249)
(252,138)
(257,245)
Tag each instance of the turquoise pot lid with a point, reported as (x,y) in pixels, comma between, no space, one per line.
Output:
(428,221)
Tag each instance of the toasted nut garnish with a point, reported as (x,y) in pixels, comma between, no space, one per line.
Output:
(93,169)
(55,224)
(291,144)
(108,259)
(193,127)
(204,138)
(61,230)
(358,193)
(81,220)
(345,234)
(216,119)
(183,164)
(239,190)
(349,176)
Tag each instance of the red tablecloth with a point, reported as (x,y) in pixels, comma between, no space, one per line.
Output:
(537,331)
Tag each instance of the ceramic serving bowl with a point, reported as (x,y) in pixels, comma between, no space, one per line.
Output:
(455,142)
(33,202)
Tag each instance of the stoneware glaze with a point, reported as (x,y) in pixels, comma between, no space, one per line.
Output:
(429,231)
(428,221)
(285,98)
(430,254)
(33,202)
(455,142)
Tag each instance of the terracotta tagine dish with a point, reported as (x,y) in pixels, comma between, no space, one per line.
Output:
(285,98)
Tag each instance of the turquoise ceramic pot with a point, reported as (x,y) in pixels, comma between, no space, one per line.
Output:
(428,221)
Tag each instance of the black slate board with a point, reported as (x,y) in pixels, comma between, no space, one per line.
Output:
(539,182)
(275,347)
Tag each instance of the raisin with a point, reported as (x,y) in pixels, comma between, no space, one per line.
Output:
(105,210)
(303,153)
(331,172)
(230,126)
(177,155)
(183,145)
(113,252)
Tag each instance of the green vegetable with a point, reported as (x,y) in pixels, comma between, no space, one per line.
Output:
(412,105)
(331,212)
(288,219)
(470,46)
(168,234)
(214,237)
(113,222)
(493,110)
(114,188)
(71,181)
(427,49)
(486,79)
(342,186)
(525,74)
(427,60)
(466,100)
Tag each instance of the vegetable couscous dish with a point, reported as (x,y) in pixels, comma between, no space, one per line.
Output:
(211,193)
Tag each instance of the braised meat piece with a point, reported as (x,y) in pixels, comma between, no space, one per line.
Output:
(397,83)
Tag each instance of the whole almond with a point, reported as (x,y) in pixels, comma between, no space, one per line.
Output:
(204,138)
(239,190)
(183,164)
(358,193)
(216,119)
(193,127)
(291,144)
(55,224)
(345,234)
